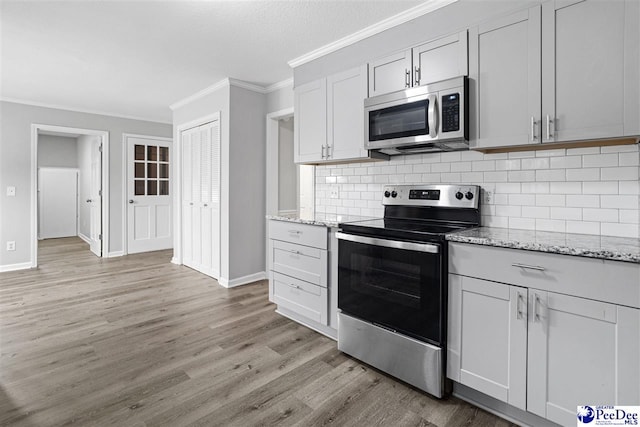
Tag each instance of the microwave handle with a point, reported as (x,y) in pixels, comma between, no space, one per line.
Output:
(433,116)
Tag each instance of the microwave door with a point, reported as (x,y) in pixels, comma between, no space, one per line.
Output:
(433,116)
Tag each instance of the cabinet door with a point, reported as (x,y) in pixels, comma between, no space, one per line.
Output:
(580,352)
(391,73)
(488,338)
(346,92)
(440,59)
(583,50)
(504,64)
(310,132)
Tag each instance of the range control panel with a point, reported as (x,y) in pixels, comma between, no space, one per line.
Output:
(454,196)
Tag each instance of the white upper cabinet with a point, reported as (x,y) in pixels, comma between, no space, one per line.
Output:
(330,118)
(430,62)
(567,70)
(589,59)
(504,64)
(310,129)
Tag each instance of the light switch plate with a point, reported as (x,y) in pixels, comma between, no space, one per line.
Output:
(11,246)
(11,191)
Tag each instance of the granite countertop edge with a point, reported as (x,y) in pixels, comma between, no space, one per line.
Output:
(598,252)
(322,220)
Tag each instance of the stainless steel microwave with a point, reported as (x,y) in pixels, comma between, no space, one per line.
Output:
(433,117)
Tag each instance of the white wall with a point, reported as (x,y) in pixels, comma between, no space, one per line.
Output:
(57,151)
(287,170)
(280,99)
(15,168)
(578,190)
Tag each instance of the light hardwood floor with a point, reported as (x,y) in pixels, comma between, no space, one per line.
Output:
(138,341)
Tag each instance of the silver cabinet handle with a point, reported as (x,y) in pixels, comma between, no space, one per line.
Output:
(394,244)
(190,203)
(433,116)
(295,231)
(533,130)
(329,151)
(417,75)
(407,78)
(519,301)
(293,251)
(536,301)
(323,147)
(205,205)
(529,267)
(130,201)
(295,286)
(549,134)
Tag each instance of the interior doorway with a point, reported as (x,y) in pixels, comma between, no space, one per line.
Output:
(60,155)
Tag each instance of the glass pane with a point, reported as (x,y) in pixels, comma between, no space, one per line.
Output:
(152,153)
(164,171)
(139,152)
(152,170)
(139,187)
(164,154)
(164,188)
(152,187)
(139,170)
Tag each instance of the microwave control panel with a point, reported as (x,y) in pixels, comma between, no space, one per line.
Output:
(451,112)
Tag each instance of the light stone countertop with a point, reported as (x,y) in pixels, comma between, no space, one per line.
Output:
(592,246)
(325,220)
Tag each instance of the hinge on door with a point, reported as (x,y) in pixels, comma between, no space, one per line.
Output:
(100,193)
(100,148)
(99,236)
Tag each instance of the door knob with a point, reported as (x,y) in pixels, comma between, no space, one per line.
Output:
(89,200)
(130,201)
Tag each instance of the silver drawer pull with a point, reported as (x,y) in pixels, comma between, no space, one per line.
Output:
(293,251)
(536,302)
(295,286)
(529,267)
(295,231)
(519,313)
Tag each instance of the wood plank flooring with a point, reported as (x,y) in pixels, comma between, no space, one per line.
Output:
(138,341)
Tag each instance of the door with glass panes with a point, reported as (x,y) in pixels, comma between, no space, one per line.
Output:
(148,194)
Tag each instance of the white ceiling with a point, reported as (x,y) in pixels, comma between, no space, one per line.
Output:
(135,58)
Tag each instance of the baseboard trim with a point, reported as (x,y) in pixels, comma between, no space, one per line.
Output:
(115,254)
(15,267)
(175,261)
(262,275)
(85,238)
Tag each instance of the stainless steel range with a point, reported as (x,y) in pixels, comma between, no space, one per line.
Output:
(392,281)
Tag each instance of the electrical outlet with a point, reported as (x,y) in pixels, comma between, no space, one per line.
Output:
(488,196)
(11,191)
(11,246)
(334,192)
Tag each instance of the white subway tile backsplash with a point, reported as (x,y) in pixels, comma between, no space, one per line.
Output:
(599,160)
(591,190)
(583,201)
(622,173)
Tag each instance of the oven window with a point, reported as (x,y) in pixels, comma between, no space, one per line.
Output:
(395,288)
(399,121)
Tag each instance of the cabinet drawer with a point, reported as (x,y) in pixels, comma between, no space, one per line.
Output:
(302,262)
(603,280)
(301,297)
(304,234)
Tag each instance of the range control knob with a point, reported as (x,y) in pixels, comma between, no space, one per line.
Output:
(469,195)
(459,195)
(387,194)
(394,194)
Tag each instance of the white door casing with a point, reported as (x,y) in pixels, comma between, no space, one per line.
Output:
(95,200)
(58,207)
(148,194)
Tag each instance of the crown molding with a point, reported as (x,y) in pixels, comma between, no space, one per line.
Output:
(393,21)
(82,110)
(204,92)
(246,85)
(280,85)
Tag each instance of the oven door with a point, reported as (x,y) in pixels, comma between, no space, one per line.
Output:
(393,284)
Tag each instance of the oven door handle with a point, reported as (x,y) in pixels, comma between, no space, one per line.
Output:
(394,244)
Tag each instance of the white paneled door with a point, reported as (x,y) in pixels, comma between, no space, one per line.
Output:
(95,200)
(201,198)
(148,194)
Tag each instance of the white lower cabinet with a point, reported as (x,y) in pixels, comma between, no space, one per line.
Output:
(541,351)
(300,280)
